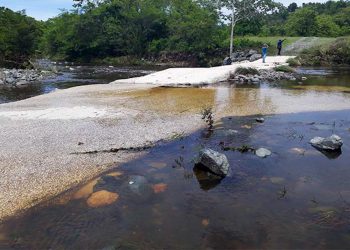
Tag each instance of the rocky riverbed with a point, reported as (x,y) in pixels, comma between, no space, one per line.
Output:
(12,78)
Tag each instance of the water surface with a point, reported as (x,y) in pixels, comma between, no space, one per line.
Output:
(298,198)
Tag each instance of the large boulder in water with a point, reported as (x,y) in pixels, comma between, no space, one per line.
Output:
(332,143)
(214,161)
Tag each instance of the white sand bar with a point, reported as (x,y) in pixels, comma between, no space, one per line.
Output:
(200,76)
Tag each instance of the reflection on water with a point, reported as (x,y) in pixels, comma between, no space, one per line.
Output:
(161,201)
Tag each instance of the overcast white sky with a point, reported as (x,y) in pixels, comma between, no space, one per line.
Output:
(44,9)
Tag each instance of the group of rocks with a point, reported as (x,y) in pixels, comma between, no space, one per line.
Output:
(217,163)
(265,75)
(251,55)
(21,77)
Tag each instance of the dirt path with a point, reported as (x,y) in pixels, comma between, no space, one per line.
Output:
(300,45)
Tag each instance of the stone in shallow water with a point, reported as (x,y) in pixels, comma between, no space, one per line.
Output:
(115,174)
(277,180)
(263,152)
(214,161)
(332,143)
(86,190)
(159,188)
(139,188)
(158,165)
(300,151)
(205,222)
(102,198)
(260,120)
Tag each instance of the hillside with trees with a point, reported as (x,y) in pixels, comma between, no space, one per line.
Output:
(117,31)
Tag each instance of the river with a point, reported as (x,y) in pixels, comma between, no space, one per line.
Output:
(299,198)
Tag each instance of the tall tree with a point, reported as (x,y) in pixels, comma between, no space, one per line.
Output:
(240,10)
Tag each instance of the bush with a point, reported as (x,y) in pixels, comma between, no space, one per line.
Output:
(246,71)
(337,53)
(284,68)
(293,62)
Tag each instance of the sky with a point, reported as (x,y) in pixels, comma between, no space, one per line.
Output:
(44,9)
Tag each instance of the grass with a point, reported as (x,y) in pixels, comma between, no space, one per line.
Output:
(272,40)
(246,71)
(284,68)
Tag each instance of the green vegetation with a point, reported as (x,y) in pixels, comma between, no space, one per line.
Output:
(284,68)
(136,31)
(246,71)
(19,37)
(293,62)
(337,52)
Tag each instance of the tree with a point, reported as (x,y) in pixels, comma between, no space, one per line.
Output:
(19,36)
(245,10)
(302,22)
(292,7)
(326,26)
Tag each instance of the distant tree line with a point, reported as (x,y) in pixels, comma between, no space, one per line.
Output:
(143,28)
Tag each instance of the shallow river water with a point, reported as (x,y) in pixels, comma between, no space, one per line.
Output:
(298,198)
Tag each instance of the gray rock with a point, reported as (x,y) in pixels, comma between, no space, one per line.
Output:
(227,61)
(214,161)
(263,152)
(260,120)
(332,143)
(10,80)
(21,83)
(255,79)
(255,57)
(252,52)
(1,82)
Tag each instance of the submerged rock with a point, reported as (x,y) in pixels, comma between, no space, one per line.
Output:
(159,188)
(102,198)
(214,161)
(263,152)
(332,143)
(139,187)
(260,120)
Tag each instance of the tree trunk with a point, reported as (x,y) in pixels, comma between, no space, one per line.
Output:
(233,22)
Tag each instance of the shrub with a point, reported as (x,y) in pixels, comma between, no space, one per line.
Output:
(284,68)
(337,53)
(246,71)
(293,62)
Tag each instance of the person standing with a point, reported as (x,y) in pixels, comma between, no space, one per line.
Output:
(264,52)
(279,46)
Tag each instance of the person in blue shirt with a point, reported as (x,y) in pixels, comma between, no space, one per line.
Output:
(279,46)
(264,52)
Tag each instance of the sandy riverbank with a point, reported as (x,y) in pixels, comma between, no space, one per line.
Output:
(202,76)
